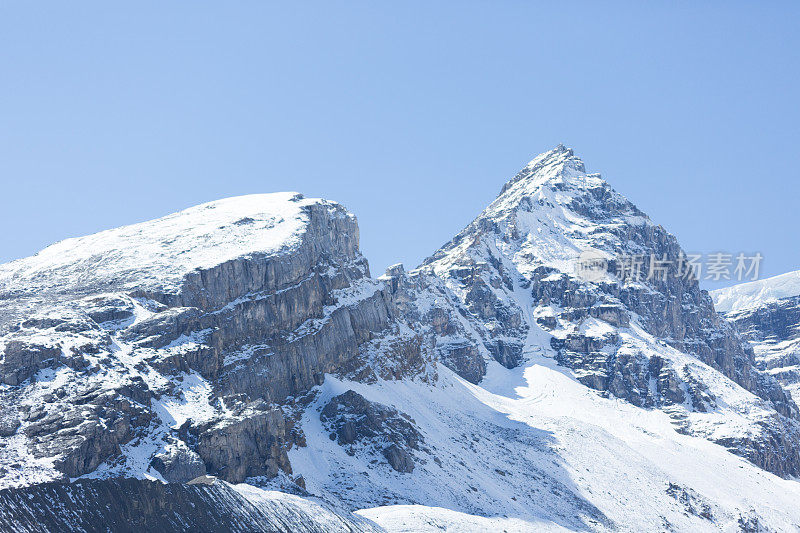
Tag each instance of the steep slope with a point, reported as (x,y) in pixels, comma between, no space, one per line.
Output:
(767,313)
(511,276)
(134,505)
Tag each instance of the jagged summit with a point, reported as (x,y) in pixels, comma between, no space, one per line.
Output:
(551,164)
(550,212)
(512,273)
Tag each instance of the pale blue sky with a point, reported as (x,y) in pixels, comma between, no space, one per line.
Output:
(412,114)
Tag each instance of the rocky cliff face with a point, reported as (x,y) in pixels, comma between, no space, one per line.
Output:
(355,422)
(176,341)
(767,313)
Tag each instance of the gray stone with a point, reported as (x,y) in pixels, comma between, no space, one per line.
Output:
(252,444)
(22,359)
(358,424)
(179,465)
(399,459)
(139,505)
(9,424)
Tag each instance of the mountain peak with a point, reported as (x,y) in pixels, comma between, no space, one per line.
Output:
(556,163)
(551,210)
(245,339)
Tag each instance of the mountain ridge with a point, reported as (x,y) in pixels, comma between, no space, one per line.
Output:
(491,380)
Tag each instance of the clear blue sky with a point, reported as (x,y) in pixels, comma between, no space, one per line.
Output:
(412,114)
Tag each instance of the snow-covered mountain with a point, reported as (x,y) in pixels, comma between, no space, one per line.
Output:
(242,303)
(492,387)
(767,312)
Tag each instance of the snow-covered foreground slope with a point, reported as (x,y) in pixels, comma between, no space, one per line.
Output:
(533,449)
(415,518)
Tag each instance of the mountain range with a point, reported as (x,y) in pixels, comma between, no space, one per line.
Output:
(239,361)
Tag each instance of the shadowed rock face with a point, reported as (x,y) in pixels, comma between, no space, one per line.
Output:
(251,444)
(22,360)
(128,505)
(179,465)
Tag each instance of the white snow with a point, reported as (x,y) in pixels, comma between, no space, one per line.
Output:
(538,208)
(296,511)
(416,518)
(161,252)
(756,293)
(562,448)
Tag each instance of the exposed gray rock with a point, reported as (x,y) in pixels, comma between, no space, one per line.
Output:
(258,326)
(440,328)
(399,458)
(235,449)
(82,435)
(773,329)
(9,424)
(692,502)
(357,423)
(108,308)
(464,358)
(179,465)
(23,359)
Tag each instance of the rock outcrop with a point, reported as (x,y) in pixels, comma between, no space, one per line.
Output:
(179,464)
(356,423)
